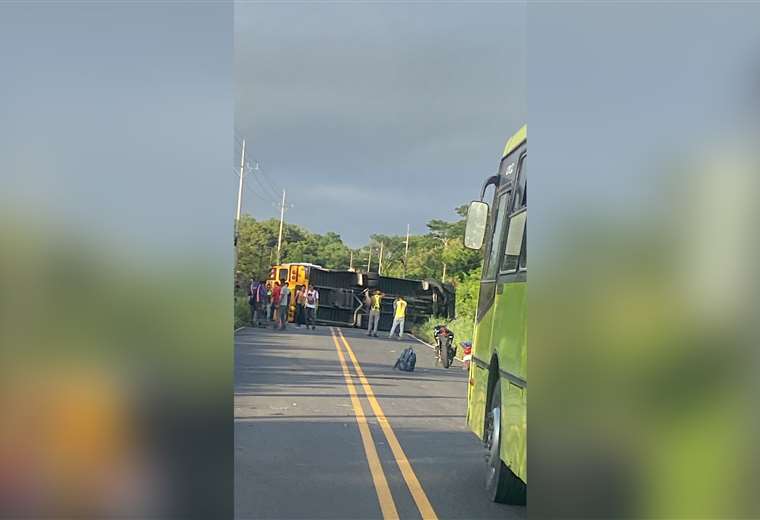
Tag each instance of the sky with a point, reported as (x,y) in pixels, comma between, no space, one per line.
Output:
(612,111)
(374,116)
(115,123)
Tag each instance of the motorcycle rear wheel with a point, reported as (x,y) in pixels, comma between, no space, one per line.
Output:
(444,352)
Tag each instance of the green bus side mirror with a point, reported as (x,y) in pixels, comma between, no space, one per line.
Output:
(477,219)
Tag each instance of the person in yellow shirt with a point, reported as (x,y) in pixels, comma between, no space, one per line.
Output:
(399,313)
(375,304)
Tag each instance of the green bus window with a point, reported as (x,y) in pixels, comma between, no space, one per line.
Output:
(497,238)
(514,241)
(521,192)
(514,253)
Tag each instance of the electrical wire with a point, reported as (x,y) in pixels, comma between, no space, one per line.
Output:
(265,189)
(247,188)
(265,181)
(270,193)
(265,176)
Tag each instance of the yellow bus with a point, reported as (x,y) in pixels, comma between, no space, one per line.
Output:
(294,274)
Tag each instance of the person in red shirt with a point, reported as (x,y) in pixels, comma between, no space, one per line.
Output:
(276,303)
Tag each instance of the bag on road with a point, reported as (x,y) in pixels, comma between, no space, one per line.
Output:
(407,360)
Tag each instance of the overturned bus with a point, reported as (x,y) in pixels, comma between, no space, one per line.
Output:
(343,294)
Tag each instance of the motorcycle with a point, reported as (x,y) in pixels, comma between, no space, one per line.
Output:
(444,345)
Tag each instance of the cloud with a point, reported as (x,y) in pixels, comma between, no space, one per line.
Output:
(404,106)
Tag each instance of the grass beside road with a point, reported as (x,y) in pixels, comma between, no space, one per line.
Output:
(242,311)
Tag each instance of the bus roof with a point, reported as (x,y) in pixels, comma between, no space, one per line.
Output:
(306,264)
(515,141)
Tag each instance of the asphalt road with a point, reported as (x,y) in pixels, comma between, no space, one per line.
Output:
(306,448)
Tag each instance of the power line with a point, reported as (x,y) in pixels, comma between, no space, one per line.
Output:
(268,186)
(249,190)
(268,193)
(265,176)
(258,173)
(269,181)
(268,190)
(259,196)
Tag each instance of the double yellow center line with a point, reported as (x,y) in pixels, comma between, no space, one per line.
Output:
(384,496)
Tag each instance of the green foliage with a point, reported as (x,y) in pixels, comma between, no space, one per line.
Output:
(258,247)
(242,311)
(460,260)
(466,307)
(467,295)
(427,253)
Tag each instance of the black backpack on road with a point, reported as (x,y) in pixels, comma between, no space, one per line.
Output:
(407,360)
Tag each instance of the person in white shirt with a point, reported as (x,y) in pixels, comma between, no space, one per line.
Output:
(312,302)
(284,305)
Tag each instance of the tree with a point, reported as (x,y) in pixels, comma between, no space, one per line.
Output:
(258,247)
(454,256)
(428,253)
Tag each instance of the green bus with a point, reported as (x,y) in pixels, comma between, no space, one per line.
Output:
(497,391)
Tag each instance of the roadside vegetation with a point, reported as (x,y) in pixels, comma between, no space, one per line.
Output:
(466,305)
(242,311)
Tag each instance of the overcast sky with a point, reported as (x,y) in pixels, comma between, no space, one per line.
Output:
(375,115)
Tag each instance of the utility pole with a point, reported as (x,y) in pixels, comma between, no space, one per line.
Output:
(282,218)
(239,202)
(351,261)
(380,264)
(445,243)
(406,249)
(369,259)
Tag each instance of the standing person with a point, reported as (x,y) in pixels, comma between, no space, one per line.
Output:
(284,304)
(300,301)
(375,303)
(253,291)
(312,302)
(275,306)
(270,295)
(399,313)
(252,286)
(261,302)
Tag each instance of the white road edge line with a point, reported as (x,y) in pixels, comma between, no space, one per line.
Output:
(430,346)
(239,328)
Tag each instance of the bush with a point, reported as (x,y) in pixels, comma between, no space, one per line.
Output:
(242,311)
(468,287)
